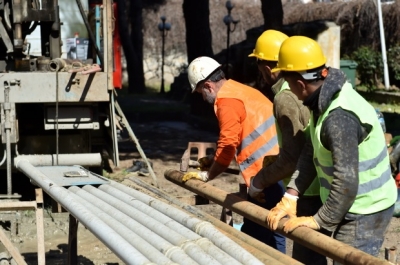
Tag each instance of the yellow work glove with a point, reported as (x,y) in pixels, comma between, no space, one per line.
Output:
(307,221)
(287,206)
(256,193)
(268,160)
(205,162)
(202,175)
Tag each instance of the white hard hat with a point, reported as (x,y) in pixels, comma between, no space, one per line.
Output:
(200,69)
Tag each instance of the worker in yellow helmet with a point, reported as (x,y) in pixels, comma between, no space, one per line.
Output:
(291,121)
(347,151)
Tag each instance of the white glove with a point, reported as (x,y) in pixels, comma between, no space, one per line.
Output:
(202,175)
(256,193)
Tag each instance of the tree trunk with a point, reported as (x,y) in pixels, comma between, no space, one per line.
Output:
(198,43)
(198,33)
(137,84)
(273,14)
(133,61)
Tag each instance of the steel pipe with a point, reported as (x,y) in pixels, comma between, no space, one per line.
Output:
(56,65)
(171,224)
(203,228)
(171,251)
(312,239)
(63,159)
(262,251)
(108,216)
(108,236)
(153,224)
(7,128)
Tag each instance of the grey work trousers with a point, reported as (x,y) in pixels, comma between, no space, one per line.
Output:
(364,232)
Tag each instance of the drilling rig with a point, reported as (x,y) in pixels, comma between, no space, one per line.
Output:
(54,106)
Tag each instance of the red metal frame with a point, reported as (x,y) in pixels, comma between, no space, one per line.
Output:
(117,52)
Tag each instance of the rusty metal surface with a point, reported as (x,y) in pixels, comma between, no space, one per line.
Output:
(312,239)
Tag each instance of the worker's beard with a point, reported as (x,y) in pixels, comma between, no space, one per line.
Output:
(210,98)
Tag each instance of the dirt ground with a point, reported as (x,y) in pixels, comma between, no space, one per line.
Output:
(163,143)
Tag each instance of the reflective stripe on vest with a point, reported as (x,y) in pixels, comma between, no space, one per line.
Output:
(376,189)
(258,135)
(255,134)
(362,167)
(259,153)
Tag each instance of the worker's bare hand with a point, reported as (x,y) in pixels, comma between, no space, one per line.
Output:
(307,221)
(255,192)
(205,162)
(202,175)
(287,206)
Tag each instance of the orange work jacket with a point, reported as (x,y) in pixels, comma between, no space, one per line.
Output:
(258,133)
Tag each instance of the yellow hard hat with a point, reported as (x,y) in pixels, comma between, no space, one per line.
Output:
(268,44)
(299,53)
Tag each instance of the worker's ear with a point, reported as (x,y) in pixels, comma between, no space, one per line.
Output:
(268,69)
(208,86)
(302,85)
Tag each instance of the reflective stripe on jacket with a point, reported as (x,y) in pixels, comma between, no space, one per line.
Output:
(376,189)
(258,135)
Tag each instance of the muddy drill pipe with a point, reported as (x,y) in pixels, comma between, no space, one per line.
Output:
(312,239)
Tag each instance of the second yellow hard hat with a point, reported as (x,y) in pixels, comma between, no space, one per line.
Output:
(268,44)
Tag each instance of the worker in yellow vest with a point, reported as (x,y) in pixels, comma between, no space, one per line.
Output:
(291,121)
(347,151)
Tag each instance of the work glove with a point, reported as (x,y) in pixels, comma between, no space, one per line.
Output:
(268,160)
(287,206)
(256,193)
(205,162)
(202,175)
(307,221)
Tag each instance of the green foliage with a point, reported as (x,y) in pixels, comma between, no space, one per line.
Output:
(393,56)
(369,66)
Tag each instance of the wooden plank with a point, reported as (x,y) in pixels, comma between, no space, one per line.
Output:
(11,248)
(20,206)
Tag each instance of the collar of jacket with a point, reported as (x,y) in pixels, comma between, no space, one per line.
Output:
(277,86)
(322,97)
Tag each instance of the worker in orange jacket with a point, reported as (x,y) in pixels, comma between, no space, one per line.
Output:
(247,133)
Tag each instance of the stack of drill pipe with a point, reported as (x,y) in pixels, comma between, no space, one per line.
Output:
(262,251)
(141,229)
(312,239)
(174,218)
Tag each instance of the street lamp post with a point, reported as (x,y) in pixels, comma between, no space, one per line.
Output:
(164,28)
(228,20)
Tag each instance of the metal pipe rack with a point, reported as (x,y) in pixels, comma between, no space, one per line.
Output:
(138,228)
